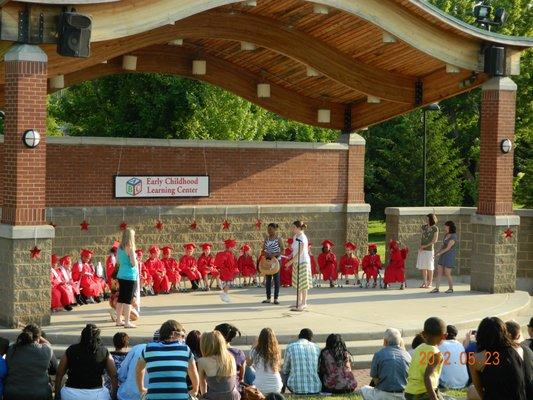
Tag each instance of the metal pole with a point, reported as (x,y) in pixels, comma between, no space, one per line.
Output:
(424,167)
(298,277)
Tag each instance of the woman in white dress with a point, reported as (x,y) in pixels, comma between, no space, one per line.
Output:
(265,357)
(301,265)
(425,259)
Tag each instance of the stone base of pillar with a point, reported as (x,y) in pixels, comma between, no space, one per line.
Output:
(25,283)
(494,254)
(357,226)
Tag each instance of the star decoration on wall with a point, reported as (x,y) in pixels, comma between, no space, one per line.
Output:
(226,224)
(508,233)
(84,225)
(258,223)
(35,252)
(193,225)
(123,226)
(159,225)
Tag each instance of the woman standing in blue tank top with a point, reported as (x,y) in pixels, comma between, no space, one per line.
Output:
(127,277)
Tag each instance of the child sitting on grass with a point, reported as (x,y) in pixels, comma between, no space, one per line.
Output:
(426,364)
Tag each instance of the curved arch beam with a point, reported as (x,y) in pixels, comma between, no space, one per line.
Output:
(139,15)
(165,59)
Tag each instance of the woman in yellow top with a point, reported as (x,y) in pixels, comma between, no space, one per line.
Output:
(426,364)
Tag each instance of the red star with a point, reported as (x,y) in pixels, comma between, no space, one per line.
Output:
(123,226)
(508,233)
(258,223)
(52,224)
(225,225)
(84,225)
(194,225)
(35,252)
(159,225)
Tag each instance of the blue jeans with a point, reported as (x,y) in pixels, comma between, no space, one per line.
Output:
(268,283)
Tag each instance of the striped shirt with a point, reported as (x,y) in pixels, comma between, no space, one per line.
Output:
(166,367)
(272,246)
(301,365)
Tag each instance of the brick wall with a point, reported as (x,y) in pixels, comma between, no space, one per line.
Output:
(525,245)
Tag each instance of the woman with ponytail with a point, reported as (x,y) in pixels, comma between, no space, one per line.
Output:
(85,363)
(301,265)
(28,360)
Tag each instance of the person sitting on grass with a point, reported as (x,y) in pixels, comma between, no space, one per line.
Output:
(301,365)
(454,371)
(388,369)
(426,364)
(335,367)
(529,342)
(121,341)
(265,357)
(229,332)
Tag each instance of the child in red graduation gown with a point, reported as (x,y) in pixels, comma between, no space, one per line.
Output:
(84,273)
(188,266)
(371,264)
(349,263)
(65,268)
(314,267)
(158,271)
(172,267)
(147,282)
(327,261)
(395,271)
(110,264)
(286,271)
(61,296)
(246,265)
(206,266)
(226,263)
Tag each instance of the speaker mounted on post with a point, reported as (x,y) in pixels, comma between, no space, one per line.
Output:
(74,35)
(494,60)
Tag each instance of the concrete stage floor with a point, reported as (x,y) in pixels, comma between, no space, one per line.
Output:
(358,314)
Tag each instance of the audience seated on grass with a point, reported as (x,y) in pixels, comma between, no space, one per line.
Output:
(230,332)
(389,369)
(300,367)
(529,342)
(426,364)
(265,358)
(454,370)
(335,367)
(121,342)
(127,375)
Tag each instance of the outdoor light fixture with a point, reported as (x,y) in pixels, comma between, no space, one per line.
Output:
(388,38)
(320,9)
(483,12)
(373,100)
(506,146)
(263,90)
(31,138)
(324,116)
(452,69)
(250,3)
(247,46)
(176,42)
(57,82)
(129,63)
(199,67)
(312,72)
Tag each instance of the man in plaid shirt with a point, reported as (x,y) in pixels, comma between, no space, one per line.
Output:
(301,365)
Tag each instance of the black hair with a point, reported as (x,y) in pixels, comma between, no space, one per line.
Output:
(417,340)
(228,331)
(273,225)
(306,333)
(530,325)
(165,332)
(513,328)
(337,348)
(451,332)
(193,341)
(300,225)
(432,219)
(326,249)
(492,335)
(121,340)
(4,344)
(90,338)
(434,326)
(29,334)
(451,226)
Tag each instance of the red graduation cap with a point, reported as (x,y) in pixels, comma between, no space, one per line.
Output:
(290,241)
(350,246)
(166,249)
(206,246)
(245,247)
(372,246)
(327,243)
(86,253)
(393,244)
(189,246)
(230,243)
(64,261)
(139,252)
(153,249)
(54,259)
(115,244)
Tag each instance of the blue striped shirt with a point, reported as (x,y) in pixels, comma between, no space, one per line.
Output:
(166,367)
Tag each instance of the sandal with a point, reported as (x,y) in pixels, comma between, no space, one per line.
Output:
(450,290)
(423,286)
(436,290)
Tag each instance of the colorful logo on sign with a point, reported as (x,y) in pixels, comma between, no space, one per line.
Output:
(134,186)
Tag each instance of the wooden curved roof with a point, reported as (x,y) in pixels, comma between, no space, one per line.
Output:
(364,60)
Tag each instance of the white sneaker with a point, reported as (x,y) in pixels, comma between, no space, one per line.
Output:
(225,297)
(113,315)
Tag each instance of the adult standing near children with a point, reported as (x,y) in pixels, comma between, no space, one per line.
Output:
(425,260)
(127,277)
(301,265)
(272,247)
(446,256)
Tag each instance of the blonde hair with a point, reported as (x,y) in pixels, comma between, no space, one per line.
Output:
(213,344)
(128,239)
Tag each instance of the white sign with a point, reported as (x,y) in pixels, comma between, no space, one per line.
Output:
(161,186)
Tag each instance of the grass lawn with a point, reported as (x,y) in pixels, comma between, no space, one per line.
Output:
(376,234)
(454,394)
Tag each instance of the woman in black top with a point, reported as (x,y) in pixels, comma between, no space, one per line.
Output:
(85,364)
(501,371)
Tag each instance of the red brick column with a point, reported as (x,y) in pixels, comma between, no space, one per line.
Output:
(356,170)
(24,168)
(496,168)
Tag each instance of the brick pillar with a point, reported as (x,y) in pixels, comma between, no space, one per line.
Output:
(494,253)
(25,283)
(356,209)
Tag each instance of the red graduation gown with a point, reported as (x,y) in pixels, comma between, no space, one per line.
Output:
(285,276)
(395,271)
(90,285)
(226,264)
(206,266)
(146,278)
(110,264)
(349,265)
(328,265)
(314,265)
(157,269)
(55,294)
(67,292)
(246,265)
(371,265)
(188,268)
(173,270)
